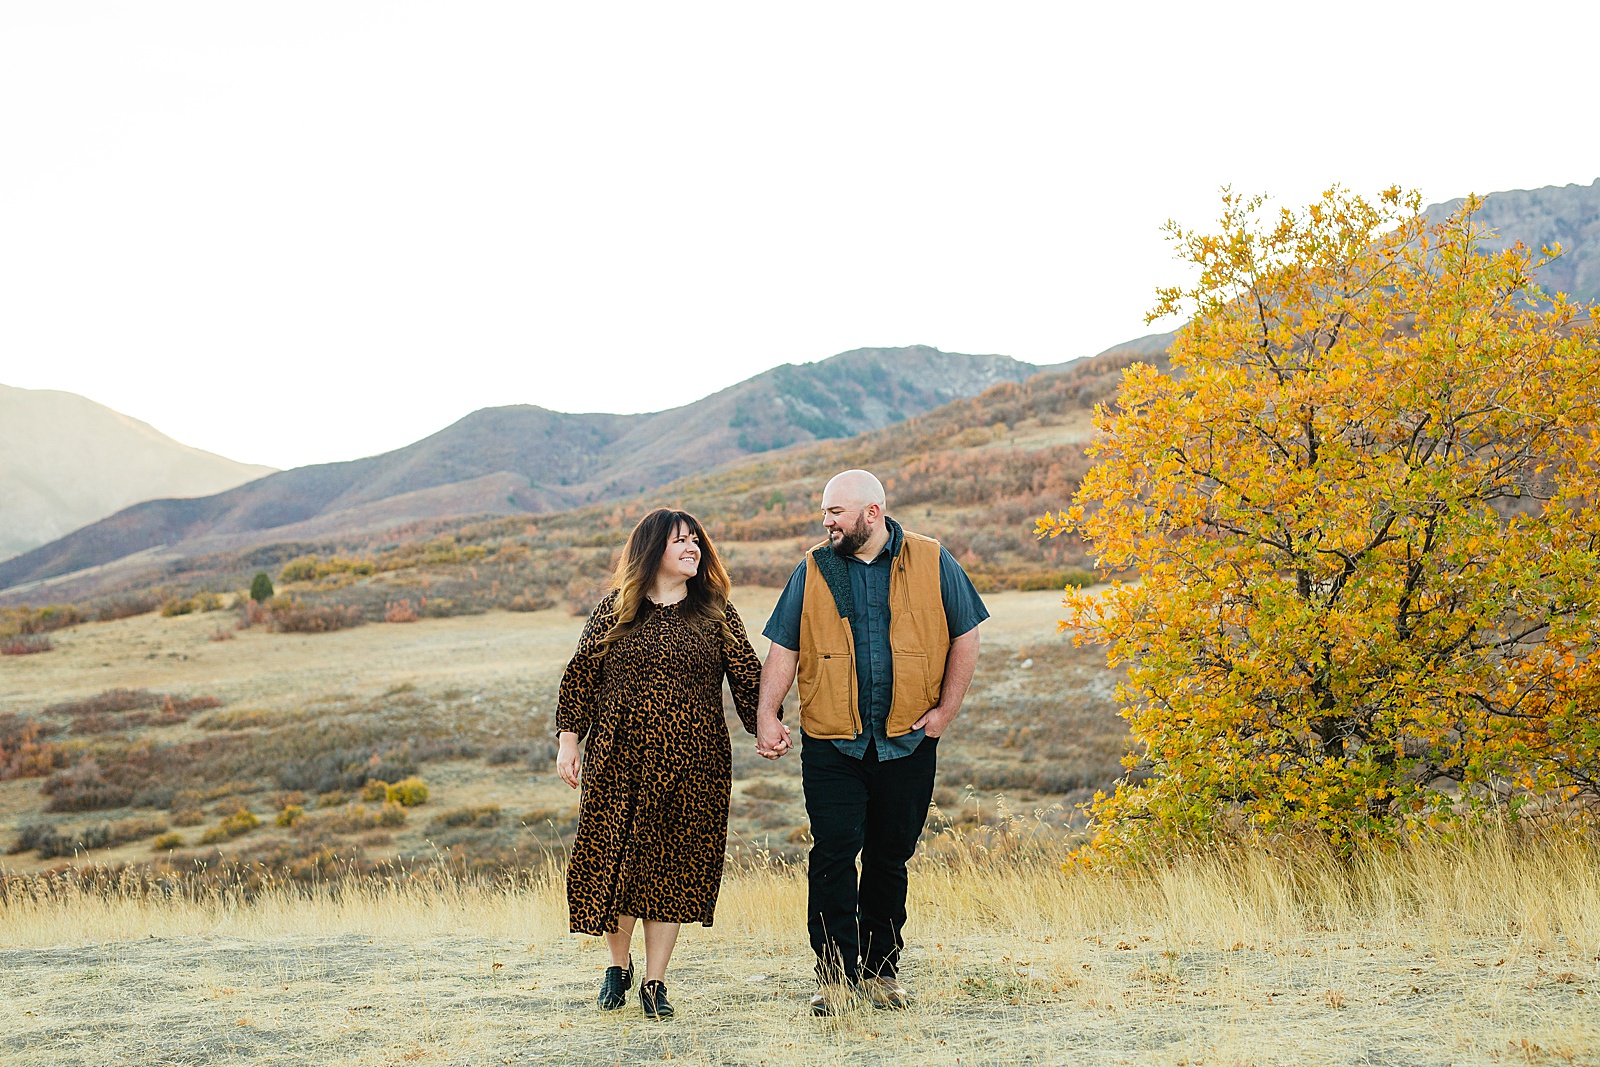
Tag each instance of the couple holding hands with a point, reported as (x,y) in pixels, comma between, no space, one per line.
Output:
(879,624)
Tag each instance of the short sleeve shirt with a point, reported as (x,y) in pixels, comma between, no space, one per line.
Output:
(869,586)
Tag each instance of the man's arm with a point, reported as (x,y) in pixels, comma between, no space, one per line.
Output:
(777,675)
(959,666)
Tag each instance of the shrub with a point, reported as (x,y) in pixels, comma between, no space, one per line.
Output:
(375,789)
(127,607)
(167,842)
(290,815)
(356,819)
(27,620)
(111,700)
(346,768)
(240,822)
(441,608)
(333,798)
(399,611)
(83,788)
(408,793)
(188,817)
(530,602)
(484,816)
(1073,577)
(309,568)
(28,837)
(22,753)
(118,709)
(292,617)
(202,601)
(51,842)
(300,569)
(261,588)
(25,645)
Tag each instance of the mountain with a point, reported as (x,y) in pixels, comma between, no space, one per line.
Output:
(1564,214)
(528,459)
(66,461)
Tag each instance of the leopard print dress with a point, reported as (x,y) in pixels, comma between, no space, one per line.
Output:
(653,817)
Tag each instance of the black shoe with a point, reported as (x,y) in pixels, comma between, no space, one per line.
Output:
(653,995)
(614,987)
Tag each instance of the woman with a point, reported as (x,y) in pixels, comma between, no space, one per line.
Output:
(645,689)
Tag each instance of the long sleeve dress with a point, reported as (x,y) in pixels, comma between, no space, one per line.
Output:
(653,817)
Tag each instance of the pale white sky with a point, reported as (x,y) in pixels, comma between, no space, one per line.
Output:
(293,233)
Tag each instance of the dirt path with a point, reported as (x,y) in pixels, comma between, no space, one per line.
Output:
(984,999)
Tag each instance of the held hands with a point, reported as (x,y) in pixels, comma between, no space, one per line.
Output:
(569,761)
(772,737)
(936,720)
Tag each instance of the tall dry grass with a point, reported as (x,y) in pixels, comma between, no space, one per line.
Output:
(1538,885)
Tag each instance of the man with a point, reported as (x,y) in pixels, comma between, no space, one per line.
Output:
(882,627)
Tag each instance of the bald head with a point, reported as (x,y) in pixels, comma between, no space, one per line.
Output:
(852,513)
(854,489)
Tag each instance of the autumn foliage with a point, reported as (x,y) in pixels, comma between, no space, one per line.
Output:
(1362,514)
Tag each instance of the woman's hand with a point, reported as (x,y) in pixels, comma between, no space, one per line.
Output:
(569,761)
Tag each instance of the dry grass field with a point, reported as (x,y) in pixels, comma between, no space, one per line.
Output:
(1483,954)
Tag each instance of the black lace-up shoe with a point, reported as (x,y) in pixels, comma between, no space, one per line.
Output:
(653,995)
(614,987)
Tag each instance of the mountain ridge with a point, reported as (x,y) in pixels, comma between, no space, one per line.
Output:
(523,458)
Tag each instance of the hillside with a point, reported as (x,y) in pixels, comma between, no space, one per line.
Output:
(975,472)
(1568,215)
(66,461)
(525,459)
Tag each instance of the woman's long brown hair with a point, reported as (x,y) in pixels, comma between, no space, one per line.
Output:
(707,597)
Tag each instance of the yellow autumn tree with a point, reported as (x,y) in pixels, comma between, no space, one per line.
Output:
(1362,514)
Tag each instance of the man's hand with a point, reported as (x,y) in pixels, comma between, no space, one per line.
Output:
(772,736)
(958,668)
(936,719)
(569,761)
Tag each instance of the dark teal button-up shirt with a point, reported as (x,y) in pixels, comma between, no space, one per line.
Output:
(869,626)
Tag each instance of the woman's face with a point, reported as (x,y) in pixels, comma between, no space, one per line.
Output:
(682,557)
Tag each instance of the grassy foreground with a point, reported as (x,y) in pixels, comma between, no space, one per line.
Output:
(1483,952)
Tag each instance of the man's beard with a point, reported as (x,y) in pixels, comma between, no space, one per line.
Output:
(850,541)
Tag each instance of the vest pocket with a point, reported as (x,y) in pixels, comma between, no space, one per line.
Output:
(825,696)
(911,673)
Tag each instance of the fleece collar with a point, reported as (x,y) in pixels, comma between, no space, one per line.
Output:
(835,573)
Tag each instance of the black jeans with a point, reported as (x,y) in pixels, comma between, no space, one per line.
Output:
(873,809)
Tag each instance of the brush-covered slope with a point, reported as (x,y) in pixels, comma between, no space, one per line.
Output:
(66,461)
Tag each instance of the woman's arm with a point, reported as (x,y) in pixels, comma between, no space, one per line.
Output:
(743,670)
(580,686)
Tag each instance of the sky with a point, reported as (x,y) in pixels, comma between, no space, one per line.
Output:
(296,233)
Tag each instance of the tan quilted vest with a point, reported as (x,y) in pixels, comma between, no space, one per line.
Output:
(919,639)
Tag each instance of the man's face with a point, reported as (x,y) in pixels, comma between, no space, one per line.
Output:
(848,525)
